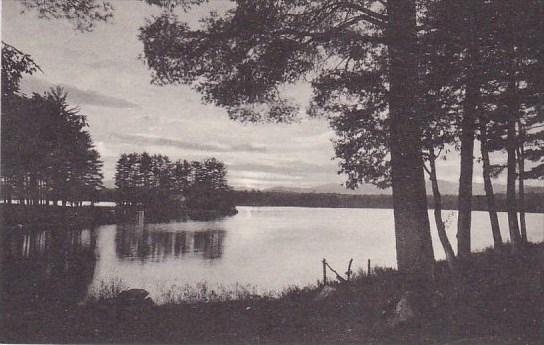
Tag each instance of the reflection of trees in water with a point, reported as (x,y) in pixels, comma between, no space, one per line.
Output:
(155,245)
(55,266)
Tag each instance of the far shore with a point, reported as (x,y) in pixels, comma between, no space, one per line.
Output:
(103,212)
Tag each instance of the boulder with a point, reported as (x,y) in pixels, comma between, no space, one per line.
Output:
(134,297)
(403,311)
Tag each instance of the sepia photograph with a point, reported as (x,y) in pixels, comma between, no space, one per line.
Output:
(322,172)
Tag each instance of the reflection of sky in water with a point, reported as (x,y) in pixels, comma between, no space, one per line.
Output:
(267,247)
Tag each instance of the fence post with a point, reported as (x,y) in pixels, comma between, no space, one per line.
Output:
(348,273)
(324,271)
(368,269)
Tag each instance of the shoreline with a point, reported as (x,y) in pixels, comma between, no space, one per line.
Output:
(361,311)
(14,215)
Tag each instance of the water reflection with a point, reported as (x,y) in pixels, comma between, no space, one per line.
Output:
(142,243)
(53,265)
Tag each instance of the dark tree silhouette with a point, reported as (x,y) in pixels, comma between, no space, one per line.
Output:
(47,155)
(14,65)
(154,183)
(240,60)
(494,92)
(83,14)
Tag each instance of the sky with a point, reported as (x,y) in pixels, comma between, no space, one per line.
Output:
(105,78)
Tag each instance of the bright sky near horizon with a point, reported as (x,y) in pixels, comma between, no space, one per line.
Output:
(111,85)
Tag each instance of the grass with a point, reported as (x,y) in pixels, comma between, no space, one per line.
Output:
(499,296)
(107,290)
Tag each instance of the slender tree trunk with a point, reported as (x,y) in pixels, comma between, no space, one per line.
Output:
(511,204)
(440,226)
(467,166)
(488,185)
(513,105)
(415,257)
(521,182)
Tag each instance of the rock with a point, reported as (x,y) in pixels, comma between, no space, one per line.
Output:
(325,292)
(134,297)
(403,311)
(133,294)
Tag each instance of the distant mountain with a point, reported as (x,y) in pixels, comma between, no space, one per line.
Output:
(446,188)
(333,188)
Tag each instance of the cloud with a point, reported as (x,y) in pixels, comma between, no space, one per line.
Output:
(108,63)
(288,167)
(77,95)
(160,141)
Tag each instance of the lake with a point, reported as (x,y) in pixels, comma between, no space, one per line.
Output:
(267,248)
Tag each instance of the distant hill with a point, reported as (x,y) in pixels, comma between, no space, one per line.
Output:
(446,188)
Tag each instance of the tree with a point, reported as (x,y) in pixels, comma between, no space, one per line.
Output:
(240,60)
(495,91)
(46,152)
(83,14)
(181,176)
(457,28)
(14,65)
(513,92)
(488,185)
(439,133)
(165,188)
(368,160)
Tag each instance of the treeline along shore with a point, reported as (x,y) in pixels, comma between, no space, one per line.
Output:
(153,184)
(20,214)
(534,202)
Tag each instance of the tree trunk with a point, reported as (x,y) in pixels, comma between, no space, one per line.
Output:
(467,166)
(440,226)
(490,195)
(521,182)
(513,104)
(415,256)
(511,204)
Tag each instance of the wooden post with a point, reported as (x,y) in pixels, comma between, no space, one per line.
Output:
(348,273)
(324,271)
(369,272)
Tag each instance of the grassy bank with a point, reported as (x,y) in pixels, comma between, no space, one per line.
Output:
(502,298)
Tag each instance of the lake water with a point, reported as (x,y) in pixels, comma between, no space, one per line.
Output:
(268,248)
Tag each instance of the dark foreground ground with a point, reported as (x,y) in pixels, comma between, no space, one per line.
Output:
(501,302)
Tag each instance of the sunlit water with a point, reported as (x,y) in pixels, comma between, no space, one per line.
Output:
(269,248)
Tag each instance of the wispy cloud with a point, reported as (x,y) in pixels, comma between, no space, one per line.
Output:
(77,95)
(160,141)
(287,167)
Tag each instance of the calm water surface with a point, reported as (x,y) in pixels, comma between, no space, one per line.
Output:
(269,248)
